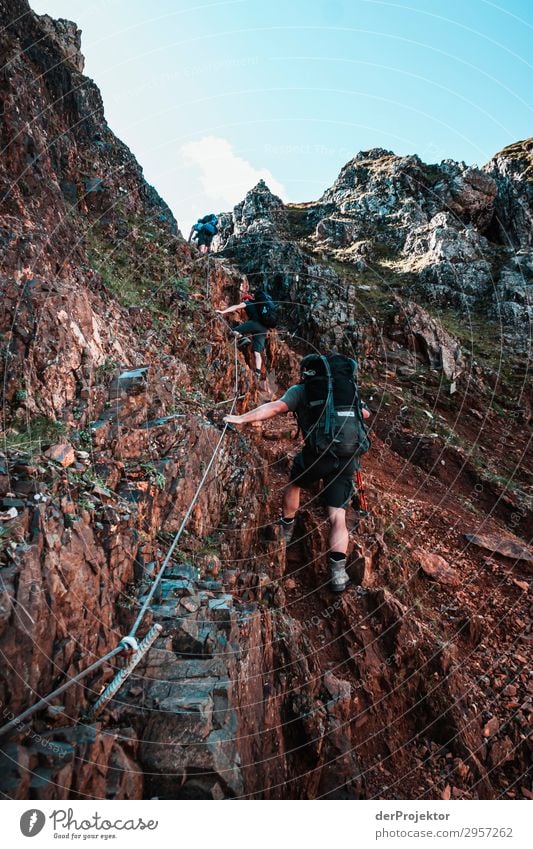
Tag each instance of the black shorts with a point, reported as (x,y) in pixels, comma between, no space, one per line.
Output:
(204,239)
(256,331)
(336,476)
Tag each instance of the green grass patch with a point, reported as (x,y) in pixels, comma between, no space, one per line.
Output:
(135,276)
(155,476)
(374,291)
(34,436)
(5,537)
(480,337)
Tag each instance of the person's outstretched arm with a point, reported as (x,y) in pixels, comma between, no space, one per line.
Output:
(234,308)
(265,411)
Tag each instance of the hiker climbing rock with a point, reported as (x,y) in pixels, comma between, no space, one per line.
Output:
(203,232)
(331,417)
(261,312)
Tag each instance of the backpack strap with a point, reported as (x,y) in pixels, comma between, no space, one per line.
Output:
(329,409)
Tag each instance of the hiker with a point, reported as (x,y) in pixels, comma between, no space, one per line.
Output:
(203,231)
(261,312)
(330,415)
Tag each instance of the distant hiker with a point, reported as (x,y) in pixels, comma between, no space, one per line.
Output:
(203,231)
(261,312)
(330,414)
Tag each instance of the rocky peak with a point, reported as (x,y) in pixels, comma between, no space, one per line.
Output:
(262,188)
(449,229)
(375,153)
(73,172)
(67,37)
(393,193)
(375,157)
(515,160)
(512,170)
(60,37)
(261,211)
(259,205)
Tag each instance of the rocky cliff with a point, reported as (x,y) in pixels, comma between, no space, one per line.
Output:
(448,235)
(116,374)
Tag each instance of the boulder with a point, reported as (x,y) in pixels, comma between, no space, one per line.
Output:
(62,453)
(426,337)
(436,568)
(506,546)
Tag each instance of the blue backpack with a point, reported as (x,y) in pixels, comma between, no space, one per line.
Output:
(208,224)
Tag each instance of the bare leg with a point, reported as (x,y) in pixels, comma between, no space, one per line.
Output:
(338,545)
(291,501)
(338,535)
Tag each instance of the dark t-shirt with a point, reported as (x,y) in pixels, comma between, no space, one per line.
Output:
(294,397)
(251,309)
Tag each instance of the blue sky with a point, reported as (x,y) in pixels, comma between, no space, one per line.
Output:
(211,96)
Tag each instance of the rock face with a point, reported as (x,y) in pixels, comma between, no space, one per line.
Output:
(426,337)
(63,154)
(512,170)
(390,195)
(450,231)
(68,186)
(116,375)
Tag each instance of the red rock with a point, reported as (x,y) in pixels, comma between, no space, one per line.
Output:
(62,453)
(500,752)
(461,768)
(491,727)
(505,546)
(436,567)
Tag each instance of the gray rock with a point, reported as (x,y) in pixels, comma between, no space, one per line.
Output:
(511,169)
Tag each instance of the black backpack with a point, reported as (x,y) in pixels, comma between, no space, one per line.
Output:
(265,309)
(332,417)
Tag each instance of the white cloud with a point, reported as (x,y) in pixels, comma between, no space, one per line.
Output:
(224,176)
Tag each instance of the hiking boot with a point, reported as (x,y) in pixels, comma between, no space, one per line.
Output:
(287,529)
(338,575)
(243,342)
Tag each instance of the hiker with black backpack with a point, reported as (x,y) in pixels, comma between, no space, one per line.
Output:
(331,417)
(261,312)
(203,232)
